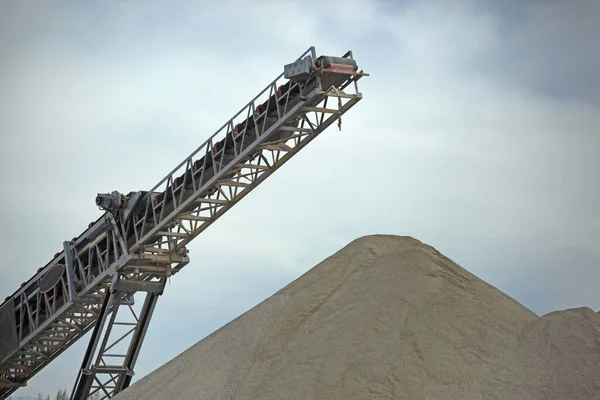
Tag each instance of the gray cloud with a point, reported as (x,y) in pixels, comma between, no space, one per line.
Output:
(467,139)
(553,51)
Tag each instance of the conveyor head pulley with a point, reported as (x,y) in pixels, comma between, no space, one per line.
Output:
(300,70)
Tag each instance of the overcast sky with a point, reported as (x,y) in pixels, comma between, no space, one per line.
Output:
(478,134)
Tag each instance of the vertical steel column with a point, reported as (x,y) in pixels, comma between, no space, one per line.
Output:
(136,342)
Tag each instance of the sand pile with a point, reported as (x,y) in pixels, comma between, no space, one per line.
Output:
(387,317)
(557,357)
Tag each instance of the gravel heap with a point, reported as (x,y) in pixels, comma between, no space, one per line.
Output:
(387,317)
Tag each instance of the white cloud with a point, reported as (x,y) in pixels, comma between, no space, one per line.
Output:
(493,175)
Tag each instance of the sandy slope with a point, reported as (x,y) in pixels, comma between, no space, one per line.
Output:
(387,317)
(557,357)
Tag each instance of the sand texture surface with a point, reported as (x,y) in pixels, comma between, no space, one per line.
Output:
(387,317)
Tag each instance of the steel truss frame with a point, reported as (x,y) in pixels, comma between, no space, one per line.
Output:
(116,258)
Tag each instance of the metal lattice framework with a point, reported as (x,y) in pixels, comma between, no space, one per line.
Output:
(135,250)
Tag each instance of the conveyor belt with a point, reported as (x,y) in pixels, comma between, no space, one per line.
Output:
(137,245)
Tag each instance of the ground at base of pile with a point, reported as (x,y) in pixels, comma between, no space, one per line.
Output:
(387,317)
